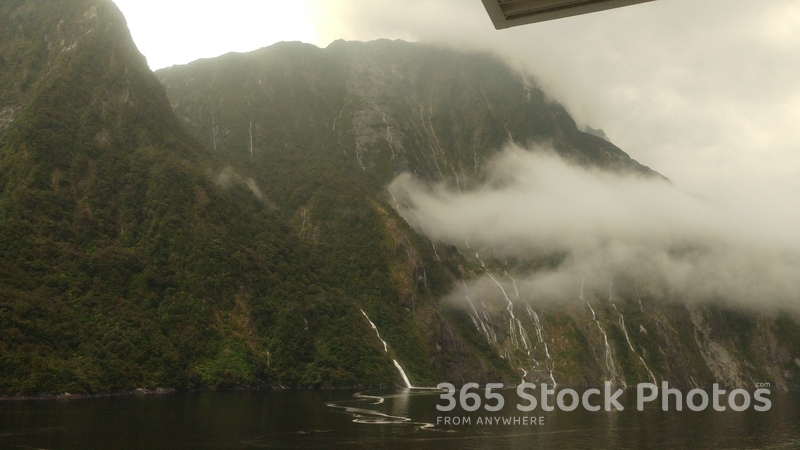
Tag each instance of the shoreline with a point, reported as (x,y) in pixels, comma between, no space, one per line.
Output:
(162,391)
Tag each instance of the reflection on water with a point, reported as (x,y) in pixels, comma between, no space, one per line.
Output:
(387,419)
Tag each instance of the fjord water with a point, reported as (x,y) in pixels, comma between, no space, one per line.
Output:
(372,419)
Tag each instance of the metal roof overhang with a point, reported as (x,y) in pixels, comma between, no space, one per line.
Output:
(510,13)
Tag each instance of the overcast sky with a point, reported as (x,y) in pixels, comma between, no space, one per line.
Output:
(705,92)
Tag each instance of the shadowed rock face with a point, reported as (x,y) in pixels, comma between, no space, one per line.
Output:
(236,229)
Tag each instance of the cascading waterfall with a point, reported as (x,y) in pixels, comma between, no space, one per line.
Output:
(377,333)
(516,331)
(609,357)
(476,318)
(625,329)
(638,297)
(523,334)
(402,374)
(549,364)
(630,345)
(386,350)
(214,130)
(513,283)
(488,321)
(433,141)
(303,225)
(539,332)
(389,138)
(434,250)
(251,139)
(484,324)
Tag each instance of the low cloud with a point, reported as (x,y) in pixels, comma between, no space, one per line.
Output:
(606,226)
(705,92)
(228,177)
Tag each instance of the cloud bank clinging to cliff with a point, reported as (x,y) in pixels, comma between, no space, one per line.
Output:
(532,203)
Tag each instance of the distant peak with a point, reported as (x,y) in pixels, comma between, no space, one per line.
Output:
(597,132)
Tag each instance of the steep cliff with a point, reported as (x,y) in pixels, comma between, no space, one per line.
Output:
(325,130)
(129,257)
(235,228)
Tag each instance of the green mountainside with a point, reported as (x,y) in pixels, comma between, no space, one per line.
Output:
(226,223)
(128,257)
(318,128)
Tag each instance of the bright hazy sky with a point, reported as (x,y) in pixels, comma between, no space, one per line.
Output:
(705,92)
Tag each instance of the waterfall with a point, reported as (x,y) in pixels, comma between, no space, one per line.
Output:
(513,283)
(303,226)
(512,321)
(630,345)
(540,334)
(514,331)
(402,374)
(517,333)
(523,334)
(251,139)
(609,359)
(476,319)
(386,350)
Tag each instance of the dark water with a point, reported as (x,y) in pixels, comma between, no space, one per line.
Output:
(376,419)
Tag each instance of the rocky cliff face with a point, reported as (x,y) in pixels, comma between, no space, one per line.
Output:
(373,110)
(392,106)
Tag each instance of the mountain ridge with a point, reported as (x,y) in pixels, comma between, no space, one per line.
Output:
(232,227)
(388,107)
(127,261)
